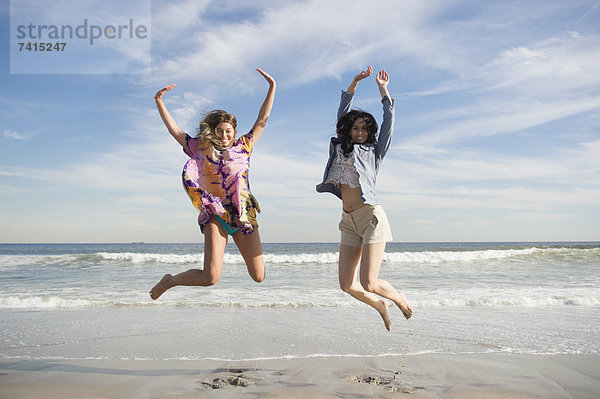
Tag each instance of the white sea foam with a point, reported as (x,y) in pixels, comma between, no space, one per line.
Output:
(146,258)
(455,256)
(55,302)
(332,257)
(40,302)
(8,262)
(417,301)
(319,258)
(500,301)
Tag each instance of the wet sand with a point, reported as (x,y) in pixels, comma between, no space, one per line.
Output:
(485,376)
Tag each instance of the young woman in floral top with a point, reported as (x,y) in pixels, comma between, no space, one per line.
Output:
(216,180)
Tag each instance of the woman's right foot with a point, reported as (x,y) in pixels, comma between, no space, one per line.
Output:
(160,287)
(404,306)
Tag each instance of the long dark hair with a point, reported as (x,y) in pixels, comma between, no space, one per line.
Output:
(344,126)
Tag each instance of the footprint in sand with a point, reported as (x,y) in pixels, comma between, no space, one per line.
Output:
(391,384)
(222,382)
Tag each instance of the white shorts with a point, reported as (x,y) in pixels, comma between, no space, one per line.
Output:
(366,225)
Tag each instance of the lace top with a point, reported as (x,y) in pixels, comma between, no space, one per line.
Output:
(342,169)
(367,157)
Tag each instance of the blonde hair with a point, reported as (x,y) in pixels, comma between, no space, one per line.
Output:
(206,130)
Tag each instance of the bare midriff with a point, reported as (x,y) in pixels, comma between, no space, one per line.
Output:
(351,199)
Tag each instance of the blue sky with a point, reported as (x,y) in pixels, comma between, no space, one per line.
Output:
(497,134)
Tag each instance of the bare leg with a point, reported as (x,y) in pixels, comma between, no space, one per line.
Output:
(251,250)
(370,264)
(349,257)
(215,239)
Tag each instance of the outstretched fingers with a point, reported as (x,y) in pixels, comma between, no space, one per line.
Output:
(382,77)
(162,91)
(268,77)
(364,74)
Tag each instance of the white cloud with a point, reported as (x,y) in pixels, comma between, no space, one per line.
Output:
(308,40)
(558,64)
(147,166)
(470,200)
(171,20)
(559,184)
(524,87)
(11,134)
(576,165)
(590,11)
(498,116)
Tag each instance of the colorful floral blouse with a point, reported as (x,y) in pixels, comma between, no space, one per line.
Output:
(217,182)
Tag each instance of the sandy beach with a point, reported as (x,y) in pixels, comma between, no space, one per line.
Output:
(418,376)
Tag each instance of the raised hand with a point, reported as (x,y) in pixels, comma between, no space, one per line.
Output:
(159,94)
(364,74)
(268,77)
(265,109)
(168,120)
(382,80)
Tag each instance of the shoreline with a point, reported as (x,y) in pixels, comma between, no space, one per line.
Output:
(491,375)
(296,242)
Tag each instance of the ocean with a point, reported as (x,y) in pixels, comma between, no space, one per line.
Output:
(90,301)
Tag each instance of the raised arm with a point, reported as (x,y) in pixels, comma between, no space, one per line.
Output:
(387,126)
(382,80)
(363,75)
(265,109)
(175,131)
(348,95)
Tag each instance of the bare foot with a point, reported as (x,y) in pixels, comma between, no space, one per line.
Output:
(382,307)
(404,306)
(160,287)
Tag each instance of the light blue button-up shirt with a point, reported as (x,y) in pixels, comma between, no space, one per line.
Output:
(368,156)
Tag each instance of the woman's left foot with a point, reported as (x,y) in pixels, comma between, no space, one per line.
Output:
(382,308)
(160,287)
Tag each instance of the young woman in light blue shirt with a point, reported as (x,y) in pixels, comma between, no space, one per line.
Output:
(354,159)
